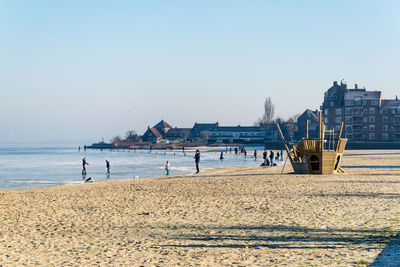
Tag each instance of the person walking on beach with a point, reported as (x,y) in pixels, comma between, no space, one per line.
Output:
(271,157)
(197,160)
(84,163)
(167,168)
(245,152)
(108,167)
(255,154)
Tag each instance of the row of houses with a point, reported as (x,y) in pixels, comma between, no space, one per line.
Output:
(366,115)
(209,132)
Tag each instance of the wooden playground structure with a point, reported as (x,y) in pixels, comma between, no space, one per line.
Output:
(317,155)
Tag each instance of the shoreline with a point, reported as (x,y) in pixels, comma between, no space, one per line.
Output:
(232,216)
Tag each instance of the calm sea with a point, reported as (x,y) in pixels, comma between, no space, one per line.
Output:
(38,167)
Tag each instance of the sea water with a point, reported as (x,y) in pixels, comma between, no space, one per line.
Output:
(22,168)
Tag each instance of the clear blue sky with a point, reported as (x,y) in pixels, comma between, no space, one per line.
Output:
(83,70)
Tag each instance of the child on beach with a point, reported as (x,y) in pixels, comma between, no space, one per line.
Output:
(167,167)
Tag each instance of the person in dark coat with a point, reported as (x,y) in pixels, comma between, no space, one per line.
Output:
(108,167)
(271,157)
(197,160)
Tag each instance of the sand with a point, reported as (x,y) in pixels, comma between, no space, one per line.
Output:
(236,216)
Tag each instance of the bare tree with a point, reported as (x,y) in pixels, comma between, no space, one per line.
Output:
(269,111)
(132,136)
(116,139)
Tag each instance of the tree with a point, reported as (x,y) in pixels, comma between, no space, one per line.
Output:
(269,111)
(132,136)
(116,139)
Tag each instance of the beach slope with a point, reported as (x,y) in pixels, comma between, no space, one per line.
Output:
(237,216)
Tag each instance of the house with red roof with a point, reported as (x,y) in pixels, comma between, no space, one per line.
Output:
(152,135)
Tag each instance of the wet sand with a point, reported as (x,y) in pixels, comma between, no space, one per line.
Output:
(236,216)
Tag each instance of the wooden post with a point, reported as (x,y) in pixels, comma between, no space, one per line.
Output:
(306,129)
(339,136)
(282,137)
(321,132)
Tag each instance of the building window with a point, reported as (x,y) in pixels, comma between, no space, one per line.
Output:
(349,128)
(372,111)
(385,119)
(365,119)
(374,102)
(364,102)
(365,128)
(382,111)
(391,119)
(337,127)
(371,119)
(349,103)
(385,136)
(348,119)
(338,111)
(371,136)
(348,111)
(326,112)
(372,127)
(385,128)
(338,119)
(332,104)
(392,128)
(365,111)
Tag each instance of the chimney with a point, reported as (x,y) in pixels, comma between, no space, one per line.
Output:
(334,83)
(355,86)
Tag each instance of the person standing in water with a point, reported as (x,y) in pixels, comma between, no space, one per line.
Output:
(84,163)
(167,168)
(197,160)
(108,167)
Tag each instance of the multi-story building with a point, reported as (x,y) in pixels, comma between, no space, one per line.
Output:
(366,116)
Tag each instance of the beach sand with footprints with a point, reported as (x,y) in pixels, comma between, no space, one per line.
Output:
(236,216)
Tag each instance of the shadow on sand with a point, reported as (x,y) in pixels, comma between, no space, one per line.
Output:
(275,237)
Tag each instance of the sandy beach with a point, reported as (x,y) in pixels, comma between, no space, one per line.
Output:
(236,216)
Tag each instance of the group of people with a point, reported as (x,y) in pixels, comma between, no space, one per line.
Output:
(84,163)
(196,160)
(270,160)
